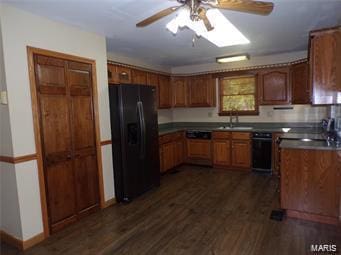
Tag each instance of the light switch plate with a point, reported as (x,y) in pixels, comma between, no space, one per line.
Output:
(3,97)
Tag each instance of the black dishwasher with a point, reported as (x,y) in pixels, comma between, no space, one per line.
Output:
(262,152)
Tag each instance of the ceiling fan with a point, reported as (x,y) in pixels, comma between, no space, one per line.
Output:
(198,9)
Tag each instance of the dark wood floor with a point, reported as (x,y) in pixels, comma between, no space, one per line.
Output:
(195,211)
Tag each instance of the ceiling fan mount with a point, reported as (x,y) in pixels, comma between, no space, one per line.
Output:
(198,9)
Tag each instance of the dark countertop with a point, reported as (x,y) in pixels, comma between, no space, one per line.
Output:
(309,145)
(264,128)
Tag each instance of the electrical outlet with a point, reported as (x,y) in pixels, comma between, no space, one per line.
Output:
(3,97)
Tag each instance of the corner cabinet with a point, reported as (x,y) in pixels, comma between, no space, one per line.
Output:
(274,86)
(300,83)
(325,66)
(202,91)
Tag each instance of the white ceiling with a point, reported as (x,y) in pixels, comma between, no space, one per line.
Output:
(285,30)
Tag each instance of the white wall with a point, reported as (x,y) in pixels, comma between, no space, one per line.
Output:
(165,116)
(116,57)
(253,62)
(21,29)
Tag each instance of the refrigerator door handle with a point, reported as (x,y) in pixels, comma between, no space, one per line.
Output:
(142,129)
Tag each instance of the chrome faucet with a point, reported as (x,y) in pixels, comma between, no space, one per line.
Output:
(231,117)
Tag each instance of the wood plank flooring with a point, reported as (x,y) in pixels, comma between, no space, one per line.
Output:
(194,211)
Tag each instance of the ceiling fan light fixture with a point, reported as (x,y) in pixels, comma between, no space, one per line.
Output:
(233,58)
(224,33)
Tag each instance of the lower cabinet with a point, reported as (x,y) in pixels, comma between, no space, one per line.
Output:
(172,147)
(232,150)
(311,184)
(198,151)
(241,153)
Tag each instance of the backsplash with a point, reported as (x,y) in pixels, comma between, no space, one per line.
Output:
(299,113)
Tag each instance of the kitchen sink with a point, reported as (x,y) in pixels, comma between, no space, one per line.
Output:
(236,128)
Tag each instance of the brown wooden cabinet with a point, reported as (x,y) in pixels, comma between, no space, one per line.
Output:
(231,149)
(198,151)
(165,92)
(139,77)
(325,66)
(179,91)
(310,184)
(300,83)
(274,86)
(201,91)
(172,148)
(119,74)
(152,79)
(241,153)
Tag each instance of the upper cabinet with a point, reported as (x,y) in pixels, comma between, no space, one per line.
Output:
(119,74)
(139,77)
(325,66)
(165,92)
(201,91)
(179,91)
(300,83)
(152,79)
(274,86)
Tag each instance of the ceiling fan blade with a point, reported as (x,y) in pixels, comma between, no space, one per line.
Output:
(157,16)
(203,16)
(254,7)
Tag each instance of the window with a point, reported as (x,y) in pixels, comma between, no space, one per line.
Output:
(238,94)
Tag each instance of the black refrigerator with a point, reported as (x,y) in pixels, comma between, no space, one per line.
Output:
(135,145)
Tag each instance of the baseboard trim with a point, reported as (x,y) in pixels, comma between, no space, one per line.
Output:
(110,202)
(20,244)
(312,217)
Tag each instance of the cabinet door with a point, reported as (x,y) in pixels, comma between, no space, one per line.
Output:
(201,92)
(275,87)
(139,77)
(222,152)
(325,67)
(124,74)
(179,88)
(241,154)
(199,149)
(300,84)
(112,74)
(152,79)
(168,156)
(179,151)
(165,92)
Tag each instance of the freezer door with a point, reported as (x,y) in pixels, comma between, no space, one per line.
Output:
(151,139)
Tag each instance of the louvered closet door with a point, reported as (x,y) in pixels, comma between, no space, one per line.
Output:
(64,92)
(83,131)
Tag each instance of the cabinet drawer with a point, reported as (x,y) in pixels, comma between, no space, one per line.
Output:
(221,135)
(165,138)
(240,136)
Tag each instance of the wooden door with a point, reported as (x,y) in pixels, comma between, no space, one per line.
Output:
(201,92)
(124,74)
(112,74)
(325,67)
(275,87)
(199,149)
(241,153)
(139,77)
(165,92)
(222,152)
(179,88)
(68,138)
(83,133)
(300,84)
